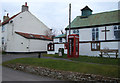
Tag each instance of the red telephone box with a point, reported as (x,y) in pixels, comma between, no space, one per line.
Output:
(73,46)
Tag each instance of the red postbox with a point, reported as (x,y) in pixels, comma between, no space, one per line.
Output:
(73,46)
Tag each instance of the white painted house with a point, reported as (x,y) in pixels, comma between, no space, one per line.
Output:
(24,32)
(96,31)
(0,36)
(58,43)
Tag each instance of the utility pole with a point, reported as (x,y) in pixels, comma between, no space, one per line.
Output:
(69,18)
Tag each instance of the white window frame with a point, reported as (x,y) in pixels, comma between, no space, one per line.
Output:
(95,33)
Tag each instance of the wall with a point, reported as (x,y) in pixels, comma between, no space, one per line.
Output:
(5,35)
(85,49)
(119,49)
(0,38)
(57,46)
(12,42)
(17,43)
(71,32)
(21,44)
(86,35)
(56,40)
(110,33)
(26,22)
(38,45)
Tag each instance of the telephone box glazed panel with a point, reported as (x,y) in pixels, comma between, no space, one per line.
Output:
(73,46)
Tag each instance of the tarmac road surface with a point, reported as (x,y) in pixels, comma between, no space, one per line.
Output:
(15,75)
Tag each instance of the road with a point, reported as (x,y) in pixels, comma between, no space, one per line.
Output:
(15,75)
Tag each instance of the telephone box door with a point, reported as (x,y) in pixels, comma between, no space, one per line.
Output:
(73,45)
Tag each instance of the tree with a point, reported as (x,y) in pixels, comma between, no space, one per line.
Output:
(51,33)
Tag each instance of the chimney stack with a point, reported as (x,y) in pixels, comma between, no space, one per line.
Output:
(7,14)
(25,7)
(0,23)
(6,17)
(25,3)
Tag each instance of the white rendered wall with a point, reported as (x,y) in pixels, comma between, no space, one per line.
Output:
(56,40)
(17,44)
(109,45)
(50,52)
(71,32)
(26,22)
(119,49)
(5,35)
(38,45)
(85,49)
(0,38)
(86,35)
(13,41)
(110,33)
(21,44)
(57,46)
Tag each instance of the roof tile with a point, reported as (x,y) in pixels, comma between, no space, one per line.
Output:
(96,19)
(34,36)
(3,23)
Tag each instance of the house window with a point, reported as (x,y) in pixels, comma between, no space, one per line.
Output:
(11,21)
(2,40)
(50,47)
(3,28)
(117,32)
(95,37)
(76,32)
(95,46)
(60,39)
(95,34)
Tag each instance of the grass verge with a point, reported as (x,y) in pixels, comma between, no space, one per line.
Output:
(104,70)
(89,59)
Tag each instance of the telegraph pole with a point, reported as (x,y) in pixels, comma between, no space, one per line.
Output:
(69,18)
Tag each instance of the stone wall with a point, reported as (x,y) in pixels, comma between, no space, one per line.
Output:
(62,75)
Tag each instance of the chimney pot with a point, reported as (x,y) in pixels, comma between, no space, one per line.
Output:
(25,7)
(7,14)
(25,3)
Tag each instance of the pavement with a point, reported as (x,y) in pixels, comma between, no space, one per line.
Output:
(15,75)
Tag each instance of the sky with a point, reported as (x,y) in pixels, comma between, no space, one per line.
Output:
(55,13)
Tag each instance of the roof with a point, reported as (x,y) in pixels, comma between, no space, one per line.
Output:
(86,8)
(5,22)
(60,36)
(33,36)
(99,19)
